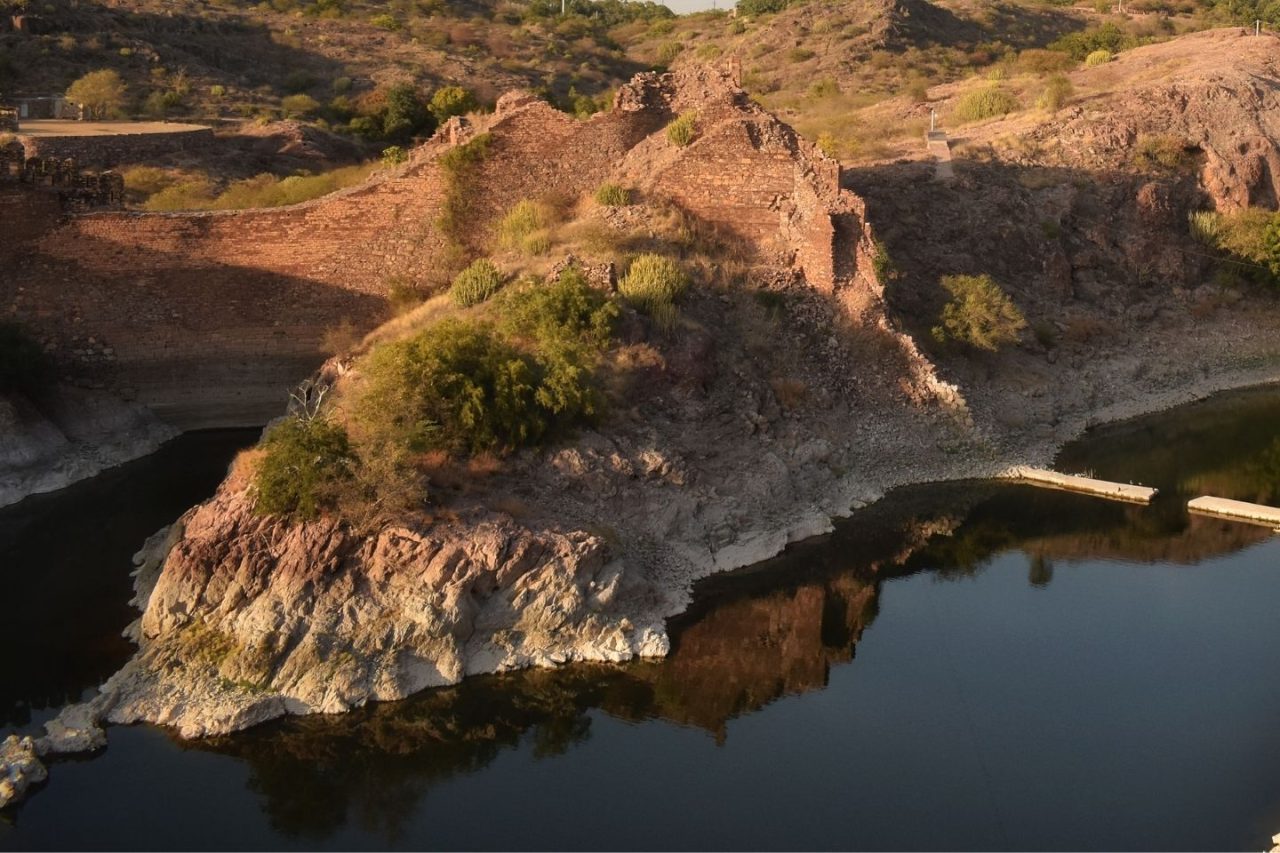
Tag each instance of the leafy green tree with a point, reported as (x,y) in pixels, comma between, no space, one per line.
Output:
(101,93)
(452,101)
(405,114)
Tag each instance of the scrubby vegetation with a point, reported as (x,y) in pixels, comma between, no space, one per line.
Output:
(303,462)
(515,371)
(653,282)
(474,385)
(476,283)
(1058,91)
(683,130)
(1098,57)
(1161,152)
(613,195)
(988,102)
(1248,239)
(524,228)
(979,314)
(156,189)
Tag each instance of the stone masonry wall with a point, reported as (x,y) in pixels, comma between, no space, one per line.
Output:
(109,151)
(209,317)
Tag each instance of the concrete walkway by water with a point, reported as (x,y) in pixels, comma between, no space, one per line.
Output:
(1086,485)
(1267,516)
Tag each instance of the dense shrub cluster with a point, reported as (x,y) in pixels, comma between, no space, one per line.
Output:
(989,102)
(652,284)
(978,314)
(1108,37)
(303,462)
(752,8)
(476,283)
(471,386)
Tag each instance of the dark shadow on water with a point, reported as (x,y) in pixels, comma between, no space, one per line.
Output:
(771,635)
(66,564)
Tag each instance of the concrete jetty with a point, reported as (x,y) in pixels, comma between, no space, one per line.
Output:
(1268,516)
(1086,485)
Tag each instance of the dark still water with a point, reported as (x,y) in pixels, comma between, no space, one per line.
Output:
(961,666)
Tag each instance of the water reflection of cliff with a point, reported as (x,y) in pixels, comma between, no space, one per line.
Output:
(759,635)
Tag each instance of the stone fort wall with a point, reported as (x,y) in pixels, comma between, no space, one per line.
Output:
(209,317)
(106,151)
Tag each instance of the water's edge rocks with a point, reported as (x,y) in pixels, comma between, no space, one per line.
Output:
(70,434)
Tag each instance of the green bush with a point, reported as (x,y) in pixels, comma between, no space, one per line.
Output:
(882,263)
(1057,92)
(386,22)
(462,387)
(986,103)
(800,54)
(394,155)
(404,114)
(1108,37)
(761,7)
(979,314)
(452,101)
(683,130)
(303,462)
(24,367)
(295,106)
(653,281)
(476,283)
(1098,57)
(565,312)
(613,195)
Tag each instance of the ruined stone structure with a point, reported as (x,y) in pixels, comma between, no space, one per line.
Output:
(77,190)
(210,316)
(107,150)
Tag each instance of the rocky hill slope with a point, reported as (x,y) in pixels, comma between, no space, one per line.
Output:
(781,397)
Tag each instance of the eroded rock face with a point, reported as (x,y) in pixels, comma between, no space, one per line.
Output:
(253,617)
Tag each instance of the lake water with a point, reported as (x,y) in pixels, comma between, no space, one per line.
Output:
(963,666)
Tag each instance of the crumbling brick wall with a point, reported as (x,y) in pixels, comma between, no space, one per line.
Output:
(209,316)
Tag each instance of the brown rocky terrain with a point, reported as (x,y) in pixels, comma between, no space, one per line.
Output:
(754,426)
